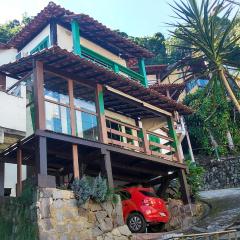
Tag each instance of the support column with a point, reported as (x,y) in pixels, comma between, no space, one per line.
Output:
(101,114)
(19,172)
(145,139)
(43,179)
(73,127)
(173,135)
(2,177)
(184,188)
(38,86)
(2,82)
(53,32)
(142,71)
(76,37)
(107,167)
(75,161)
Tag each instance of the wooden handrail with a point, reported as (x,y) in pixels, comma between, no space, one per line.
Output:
(122,134)
(160,136)
(161,146)
(123,124)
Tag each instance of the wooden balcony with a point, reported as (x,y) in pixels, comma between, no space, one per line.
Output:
(137,139)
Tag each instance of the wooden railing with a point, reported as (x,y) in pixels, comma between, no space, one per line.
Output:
(134,138)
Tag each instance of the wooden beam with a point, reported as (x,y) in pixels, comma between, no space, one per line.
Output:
(19,172)
(2,177)
(184,188)
(38,86)
(53,32)
(150,107)
(101,114)
(107,167)
(75,161)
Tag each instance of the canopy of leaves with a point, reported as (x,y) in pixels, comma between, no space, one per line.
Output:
(215,114)
(9,29)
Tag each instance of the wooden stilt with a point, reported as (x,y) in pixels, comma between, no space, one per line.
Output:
(2,178)
(107,167)
(19,172)
(75,161)
(184,187)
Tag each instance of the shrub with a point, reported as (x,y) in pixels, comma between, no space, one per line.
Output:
(100,189)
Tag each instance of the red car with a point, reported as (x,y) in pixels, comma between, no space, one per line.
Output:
(142,207)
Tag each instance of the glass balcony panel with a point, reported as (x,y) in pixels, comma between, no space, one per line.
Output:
(84,97)
(57,118)
(87,126)
(56,88)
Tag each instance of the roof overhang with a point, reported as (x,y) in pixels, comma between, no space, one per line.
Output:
(90,29)
(72,66)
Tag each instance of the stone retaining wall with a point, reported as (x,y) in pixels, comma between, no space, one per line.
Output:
(221,174)
(60,218)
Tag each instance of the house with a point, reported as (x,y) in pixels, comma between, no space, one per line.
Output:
(86,111)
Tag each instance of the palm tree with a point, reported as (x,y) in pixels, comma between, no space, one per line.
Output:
(210,37)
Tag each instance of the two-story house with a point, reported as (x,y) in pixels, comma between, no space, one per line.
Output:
(86,112)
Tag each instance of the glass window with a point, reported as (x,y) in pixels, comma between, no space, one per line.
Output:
(57,118)
(86,125)
(84,97)
(56,88)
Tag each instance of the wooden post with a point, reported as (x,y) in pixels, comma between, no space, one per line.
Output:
(19,172)
(76,37)
(2,177)
(145,139)
(43,179)
(101,114)
(173,135)
(53,32)
(73,127)
(142,71)
(184,187)
(107,167)
(75,161)
(38,86)
(2,82)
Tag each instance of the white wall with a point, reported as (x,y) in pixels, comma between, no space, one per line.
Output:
(32,44)
(12,112)
(65,41)
(7,55)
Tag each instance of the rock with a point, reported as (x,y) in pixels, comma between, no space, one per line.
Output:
(94,206)
(44,208)
(85,235)
(106,225)
(101,215)
(58,203)
(124,230)
(116,232)
(91,217)
(96,232)
(108,207)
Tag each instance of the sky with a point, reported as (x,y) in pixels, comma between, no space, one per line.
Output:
(135,17)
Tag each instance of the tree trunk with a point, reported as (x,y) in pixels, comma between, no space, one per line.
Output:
(229,90)
(230,140)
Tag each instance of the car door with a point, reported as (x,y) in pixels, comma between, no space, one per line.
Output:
(126,203)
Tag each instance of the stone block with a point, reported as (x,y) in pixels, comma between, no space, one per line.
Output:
(116,232)
(108,207)
(44,208)
(96,232)
(124,230)
(94,206)
(101,215)
(91,217)
(58,203)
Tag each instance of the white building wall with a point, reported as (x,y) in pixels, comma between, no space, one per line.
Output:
(12,112)
(32,44)
(7,55)
(65,41)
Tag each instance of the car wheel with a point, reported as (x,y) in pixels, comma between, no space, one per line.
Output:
(136,223)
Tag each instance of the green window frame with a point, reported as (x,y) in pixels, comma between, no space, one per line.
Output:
(43,44)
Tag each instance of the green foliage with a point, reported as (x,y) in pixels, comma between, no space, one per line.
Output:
(93,188)
(11,28)
(100,189)
(82,189)
(213,114)
(195,177)
(16,216)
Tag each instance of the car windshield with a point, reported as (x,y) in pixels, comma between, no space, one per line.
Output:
(148,193)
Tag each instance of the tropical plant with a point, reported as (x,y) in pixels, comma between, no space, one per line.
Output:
(100,189)
(210,38)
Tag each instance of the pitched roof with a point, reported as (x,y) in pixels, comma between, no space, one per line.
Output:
(3,46)
(89,27)
(66,62)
